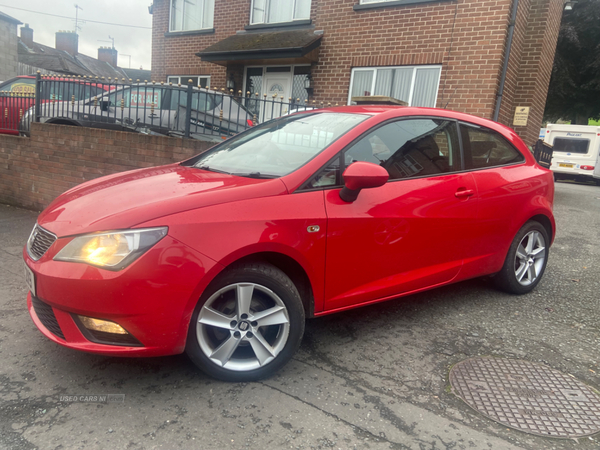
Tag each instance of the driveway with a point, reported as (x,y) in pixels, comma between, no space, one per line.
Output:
(371,378)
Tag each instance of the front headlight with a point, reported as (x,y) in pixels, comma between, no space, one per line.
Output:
(112,250)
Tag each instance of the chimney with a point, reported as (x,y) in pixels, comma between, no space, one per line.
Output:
(27,35)
(67,41)
(108,55)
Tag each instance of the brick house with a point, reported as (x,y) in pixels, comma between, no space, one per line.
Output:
(442,53)
(8,46)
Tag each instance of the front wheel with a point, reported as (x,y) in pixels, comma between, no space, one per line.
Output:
(526,260)
(247,325)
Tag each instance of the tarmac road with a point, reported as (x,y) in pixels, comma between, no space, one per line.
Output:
(372,378)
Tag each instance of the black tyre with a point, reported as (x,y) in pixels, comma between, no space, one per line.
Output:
(247,325)
(526,260)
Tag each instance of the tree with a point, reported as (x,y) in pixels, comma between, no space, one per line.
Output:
(574,91)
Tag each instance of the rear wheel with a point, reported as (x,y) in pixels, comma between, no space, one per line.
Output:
(526,260)
(247,325)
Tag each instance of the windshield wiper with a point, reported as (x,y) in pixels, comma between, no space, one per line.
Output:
(213,170)
(254,175)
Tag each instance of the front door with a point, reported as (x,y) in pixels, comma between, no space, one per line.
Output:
(278,85)
(415,231)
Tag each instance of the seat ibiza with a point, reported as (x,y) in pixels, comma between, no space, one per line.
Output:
(224,255)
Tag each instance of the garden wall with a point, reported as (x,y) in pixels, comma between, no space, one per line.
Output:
(35,170)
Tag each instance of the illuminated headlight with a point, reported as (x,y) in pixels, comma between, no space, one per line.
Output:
(112,250)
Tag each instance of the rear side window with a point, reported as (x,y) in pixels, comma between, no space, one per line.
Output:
(143,98)
(201,101)
(571,145)
(486,148)
(67,91)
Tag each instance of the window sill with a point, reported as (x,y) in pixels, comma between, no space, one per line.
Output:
(296,23)
(383,4)
(189,33)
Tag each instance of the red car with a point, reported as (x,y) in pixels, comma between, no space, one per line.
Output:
(224,255)
(17,95)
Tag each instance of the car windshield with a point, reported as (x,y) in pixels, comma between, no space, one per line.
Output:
(278,147)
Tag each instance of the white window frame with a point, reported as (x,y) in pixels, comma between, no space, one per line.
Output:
(171,30)
(183,79)
(412,85)
(267,4)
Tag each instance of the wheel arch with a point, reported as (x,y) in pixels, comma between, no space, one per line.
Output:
(292,268)
(63,121)
(546,223)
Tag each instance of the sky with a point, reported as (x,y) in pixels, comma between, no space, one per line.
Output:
(136,42)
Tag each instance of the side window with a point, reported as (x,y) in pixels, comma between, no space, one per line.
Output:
(486,148)
(201,101)
(143,97)
(410,148)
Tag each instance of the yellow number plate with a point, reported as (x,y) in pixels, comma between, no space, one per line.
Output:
(570,166)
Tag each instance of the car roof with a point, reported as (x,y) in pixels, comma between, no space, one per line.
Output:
(390,112)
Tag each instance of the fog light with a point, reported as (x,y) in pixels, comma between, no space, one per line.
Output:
(105,326)
(586,167)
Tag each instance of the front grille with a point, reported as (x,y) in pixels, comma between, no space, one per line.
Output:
(39,242)
(46,316)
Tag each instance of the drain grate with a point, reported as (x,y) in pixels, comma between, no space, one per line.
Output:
(528,397)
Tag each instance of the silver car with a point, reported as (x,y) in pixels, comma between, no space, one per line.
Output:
(149,108)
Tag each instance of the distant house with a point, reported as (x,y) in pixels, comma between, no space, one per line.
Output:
(65,58)
(138,74)
(8,46)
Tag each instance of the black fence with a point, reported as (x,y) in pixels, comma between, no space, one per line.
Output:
(13,106)
(542,153)
(151,108)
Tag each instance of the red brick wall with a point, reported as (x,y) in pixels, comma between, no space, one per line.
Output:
(535,68)
(33,171)
(474,30)
(176,55)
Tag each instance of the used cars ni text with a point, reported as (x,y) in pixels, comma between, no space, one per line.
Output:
(224,255)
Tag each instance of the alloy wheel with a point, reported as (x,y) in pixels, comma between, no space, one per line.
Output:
(243,326)
(530,258)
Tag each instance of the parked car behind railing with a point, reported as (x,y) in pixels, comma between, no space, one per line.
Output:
(17,96)
(174,110)
(149,108)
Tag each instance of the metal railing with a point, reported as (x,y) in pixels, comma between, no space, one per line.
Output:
(153,108)
(13,106)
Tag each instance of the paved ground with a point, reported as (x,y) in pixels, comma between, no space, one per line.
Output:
(373,378)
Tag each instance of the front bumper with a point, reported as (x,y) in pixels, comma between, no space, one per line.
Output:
(153,299)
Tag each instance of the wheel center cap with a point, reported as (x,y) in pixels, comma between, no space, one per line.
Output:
(243,325)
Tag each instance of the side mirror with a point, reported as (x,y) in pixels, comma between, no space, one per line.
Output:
(362,175)
(104,105)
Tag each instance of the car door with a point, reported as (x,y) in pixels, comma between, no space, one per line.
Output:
(503,183)
(410,233)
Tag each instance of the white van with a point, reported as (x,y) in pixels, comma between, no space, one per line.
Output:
(576,151)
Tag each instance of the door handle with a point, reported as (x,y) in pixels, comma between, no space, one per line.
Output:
(464,193)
